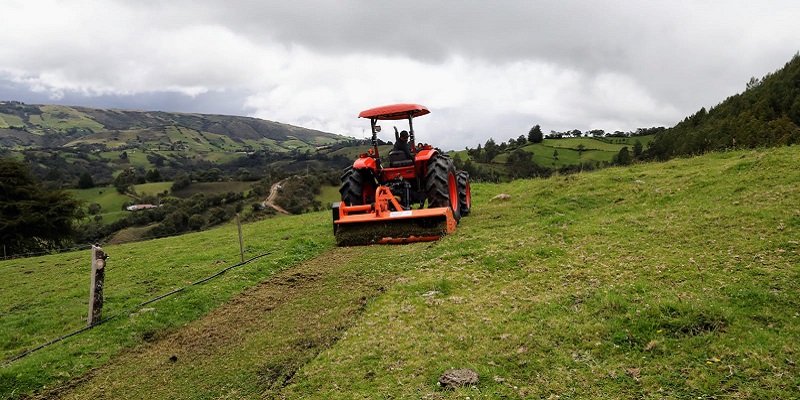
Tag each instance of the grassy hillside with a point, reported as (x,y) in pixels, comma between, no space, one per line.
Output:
(46,297)
(669,280)
(565,152)
(108,198)
(154,188)
(572,151)
(111,201)
(212,187)
(63,143)
(329,195)
(53,126)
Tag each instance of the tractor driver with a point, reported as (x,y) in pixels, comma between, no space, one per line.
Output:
(402,145)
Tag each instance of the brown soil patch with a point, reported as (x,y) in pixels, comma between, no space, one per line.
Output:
(265,335)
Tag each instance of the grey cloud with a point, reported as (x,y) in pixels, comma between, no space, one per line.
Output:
(489,68)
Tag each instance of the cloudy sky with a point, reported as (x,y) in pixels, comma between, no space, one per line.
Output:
(483,68)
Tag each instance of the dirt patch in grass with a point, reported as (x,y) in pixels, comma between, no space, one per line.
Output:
(261,337)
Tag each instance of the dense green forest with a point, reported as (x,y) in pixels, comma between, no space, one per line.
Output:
(766,114)
(33,218)
(36,219)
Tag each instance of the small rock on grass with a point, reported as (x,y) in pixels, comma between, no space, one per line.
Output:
(501,196)
(458,377)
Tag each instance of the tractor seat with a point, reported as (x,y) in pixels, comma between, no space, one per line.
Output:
(397,158)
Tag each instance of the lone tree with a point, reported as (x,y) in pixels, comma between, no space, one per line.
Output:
(33,219)
(85,181)
(623,157)
(125,180)
(637,149)
(535,135)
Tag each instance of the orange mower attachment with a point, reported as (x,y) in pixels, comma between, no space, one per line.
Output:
(386,222)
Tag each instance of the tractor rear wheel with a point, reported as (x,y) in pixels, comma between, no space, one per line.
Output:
(464,195)
(441,186)
(358,187)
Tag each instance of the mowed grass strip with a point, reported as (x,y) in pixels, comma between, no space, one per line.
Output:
(46,297)
(252,346)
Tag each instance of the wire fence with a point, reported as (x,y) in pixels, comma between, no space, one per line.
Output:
(130,310)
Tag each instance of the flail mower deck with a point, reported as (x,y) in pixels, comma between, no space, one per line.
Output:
(386,222)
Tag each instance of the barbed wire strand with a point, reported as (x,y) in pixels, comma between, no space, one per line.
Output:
(140,305)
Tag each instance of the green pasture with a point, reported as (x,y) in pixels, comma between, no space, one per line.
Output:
(109,200)
(8,120)
(658,280)
(213,187)
(569,152)
(153,188)
(47,297)
(62,117)
(329,195)
(588,144)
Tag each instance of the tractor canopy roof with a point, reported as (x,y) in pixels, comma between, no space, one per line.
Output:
(395,111)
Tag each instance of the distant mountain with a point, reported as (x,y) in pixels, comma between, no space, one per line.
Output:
(46,126)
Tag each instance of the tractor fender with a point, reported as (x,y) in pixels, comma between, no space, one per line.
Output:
(425,155)
(421,160)
(366,162)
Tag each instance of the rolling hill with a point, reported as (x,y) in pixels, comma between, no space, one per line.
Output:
(667,280)
(29,125)
(62,144)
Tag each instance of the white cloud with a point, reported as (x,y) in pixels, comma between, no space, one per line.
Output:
(483,71)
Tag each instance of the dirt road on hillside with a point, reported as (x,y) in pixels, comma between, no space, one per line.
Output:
(251,346)
(273,194)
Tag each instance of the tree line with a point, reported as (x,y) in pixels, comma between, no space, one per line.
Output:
(520,162)
(766,114)
(35,218)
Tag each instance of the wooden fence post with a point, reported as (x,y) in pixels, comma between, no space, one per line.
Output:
(96,289)
(241,240)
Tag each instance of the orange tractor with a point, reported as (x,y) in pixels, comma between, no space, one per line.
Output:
(418,196)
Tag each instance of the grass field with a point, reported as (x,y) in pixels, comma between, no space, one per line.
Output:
(8,120)
(62,117)
(668,280)
(558,153)
(153,188)
(329,195)
(110,201)
(213,187)
(46,297)
(544,154)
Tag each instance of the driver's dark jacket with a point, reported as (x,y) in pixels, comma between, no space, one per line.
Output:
(404,147)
